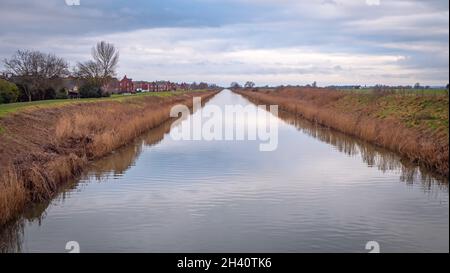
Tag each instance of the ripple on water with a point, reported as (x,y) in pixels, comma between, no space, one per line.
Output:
(320,191)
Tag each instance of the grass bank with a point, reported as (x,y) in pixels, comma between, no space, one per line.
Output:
(43,144)
(414,126)
(10,108)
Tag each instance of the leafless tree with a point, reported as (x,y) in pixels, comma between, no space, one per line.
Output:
(249,84)
(90,71)
(235,85)
(202,85)
(103,66)
(107,57)
(36,71)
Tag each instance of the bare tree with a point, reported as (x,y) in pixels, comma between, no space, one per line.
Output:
(107,57)
(23,65)
(249,84)
(90,71)
(202,85)
(103,66)
(235,85)
(36,71)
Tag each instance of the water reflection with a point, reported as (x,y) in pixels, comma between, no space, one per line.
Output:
(159,195)
(113,165)
(374,156)
(121,160)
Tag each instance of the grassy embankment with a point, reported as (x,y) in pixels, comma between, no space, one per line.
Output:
(414,125)
(45,143)
(15,107)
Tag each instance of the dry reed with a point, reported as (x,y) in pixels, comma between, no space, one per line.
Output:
(318,105)
(60,147)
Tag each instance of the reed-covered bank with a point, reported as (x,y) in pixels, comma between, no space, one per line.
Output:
(41,148)
(414,126)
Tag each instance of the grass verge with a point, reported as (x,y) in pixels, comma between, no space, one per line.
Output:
(10,108)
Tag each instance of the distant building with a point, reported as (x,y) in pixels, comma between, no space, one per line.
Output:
(142,86)
(183,86)
(126,85)
(162,86)
(71,85)
(112,87)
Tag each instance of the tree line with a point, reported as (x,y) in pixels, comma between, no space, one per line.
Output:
(34,75)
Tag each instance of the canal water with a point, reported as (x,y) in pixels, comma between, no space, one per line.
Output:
(319,191)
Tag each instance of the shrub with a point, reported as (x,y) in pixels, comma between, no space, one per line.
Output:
(62,94)
(90,91)
(49,94)
(8,92)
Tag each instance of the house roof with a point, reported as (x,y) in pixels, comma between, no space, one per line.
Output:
(126,79)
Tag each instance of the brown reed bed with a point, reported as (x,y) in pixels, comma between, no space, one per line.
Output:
(415,127)
(42,149)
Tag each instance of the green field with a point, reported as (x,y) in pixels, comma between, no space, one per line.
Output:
(426,112)
(420,92)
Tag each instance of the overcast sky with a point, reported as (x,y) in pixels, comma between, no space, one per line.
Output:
(267,41)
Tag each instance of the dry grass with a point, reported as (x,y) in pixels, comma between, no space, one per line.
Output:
(41,150)
(12,193)
(420,144)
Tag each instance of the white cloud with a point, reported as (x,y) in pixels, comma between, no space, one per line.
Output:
(206,54)
(373,2)
(280,42)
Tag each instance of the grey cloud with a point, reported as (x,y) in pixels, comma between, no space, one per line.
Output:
(206,28)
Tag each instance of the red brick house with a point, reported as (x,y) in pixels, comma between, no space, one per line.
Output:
(183,86)
(162,86)
(126,85)
(141,86)
(153,87)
